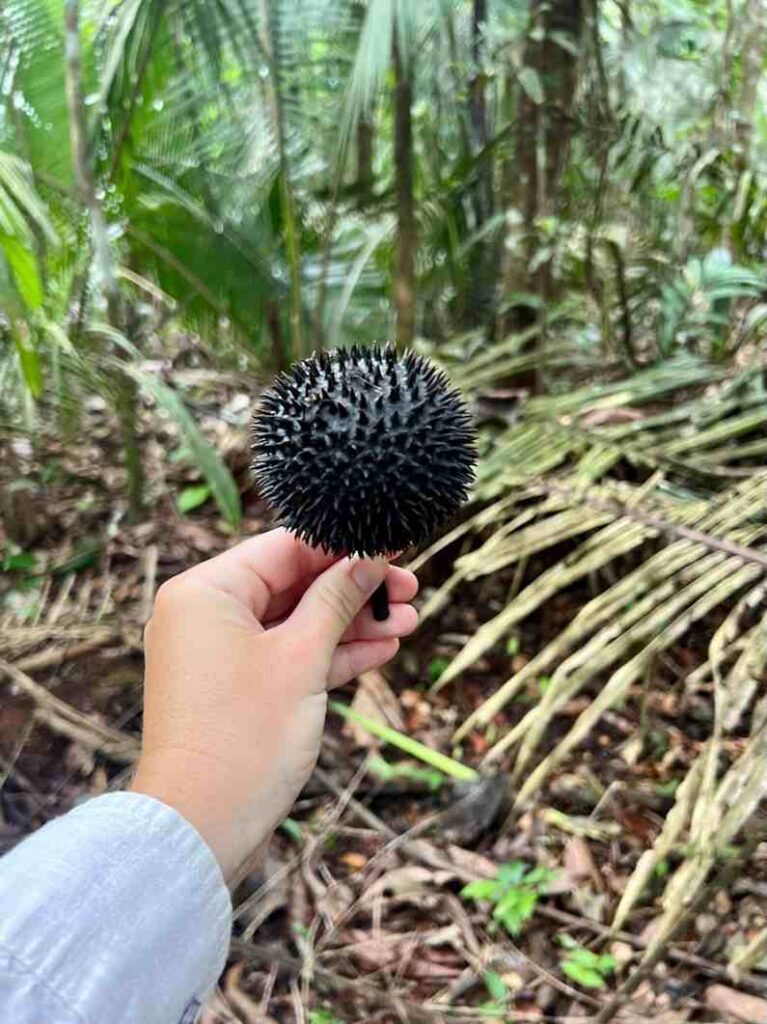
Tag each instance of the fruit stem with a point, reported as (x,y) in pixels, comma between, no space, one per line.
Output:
(379,603)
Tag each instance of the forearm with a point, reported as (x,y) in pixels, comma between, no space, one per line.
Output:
(118,911)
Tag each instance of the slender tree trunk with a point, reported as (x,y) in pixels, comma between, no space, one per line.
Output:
(482,260)
(364,176)
(287,202)
(365,137)
(454,63)
(404,278)
(276,340)
(543,134)
(477,105)
(754,36)
(734,112)
(627,31)
(106,280)
(123,387)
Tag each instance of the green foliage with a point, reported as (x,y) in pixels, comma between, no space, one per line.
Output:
(387,772)
(495,986)
(292,829)
(514,893)
(192,497)
(322,1016)
(15,560)
(697,306)
(585,968)
(219,480)
(499,995)
(222,140)
(435,668)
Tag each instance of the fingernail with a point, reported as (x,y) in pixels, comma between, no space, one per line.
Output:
(368,573)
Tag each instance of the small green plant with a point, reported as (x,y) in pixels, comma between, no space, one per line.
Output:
(662,868)
(590,970)
(22,580)
(292,829)
(499,996)
(322,1016)
(13,559)
(668,788)
(436,667)
(192,497)
(514,893)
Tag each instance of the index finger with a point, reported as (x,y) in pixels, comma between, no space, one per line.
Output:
(258,569)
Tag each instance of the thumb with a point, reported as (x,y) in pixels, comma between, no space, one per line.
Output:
(330,604)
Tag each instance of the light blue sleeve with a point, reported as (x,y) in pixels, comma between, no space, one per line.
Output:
(115,912)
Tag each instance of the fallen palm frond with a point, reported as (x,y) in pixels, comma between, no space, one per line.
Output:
(687,542)
(447,765)
(750,955)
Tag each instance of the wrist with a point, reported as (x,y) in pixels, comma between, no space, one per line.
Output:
(205,800)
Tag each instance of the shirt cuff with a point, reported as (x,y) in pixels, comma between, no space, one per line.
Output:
(120,908)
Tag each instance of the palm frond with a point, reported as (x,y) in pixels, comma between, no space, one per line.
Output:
(34,34)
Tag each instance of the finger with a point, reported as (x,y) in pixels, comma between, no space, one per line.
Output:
(262,567)
(350,660)
(402,620)
(329,606)
(401,585)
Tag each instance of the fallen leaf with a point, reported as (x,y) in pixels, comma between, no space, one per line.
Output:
(631,750)
(513,981)
(354,861)
(478,743)
(471,863)
(246,1008)
(405,880)
(198,536)
(374,699)
(335,901)
(622,953)
(658,1017)
(605,417)
(410,956)
(739,1004)
(578,863)
(638,822)
(650,930)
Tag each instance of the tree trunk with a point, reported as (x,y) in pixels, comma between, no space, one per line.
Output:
(86,185)
(280,360)
(290,227)
(754,33)
(543,134)
(483,255)
(477,106)
(123,388)
(404,284)
(365,138)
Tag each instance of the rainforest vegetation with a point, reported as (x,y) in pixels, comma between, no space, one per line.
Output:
(551,807)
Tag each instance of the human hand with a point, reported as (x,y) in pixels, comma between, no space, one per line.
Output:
(240,652)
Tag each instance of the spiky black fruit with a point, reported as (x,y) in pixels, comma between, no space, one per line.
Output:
(362,451)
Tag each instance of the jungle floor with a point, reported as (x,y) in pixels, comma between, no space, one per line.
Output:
(357,912)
